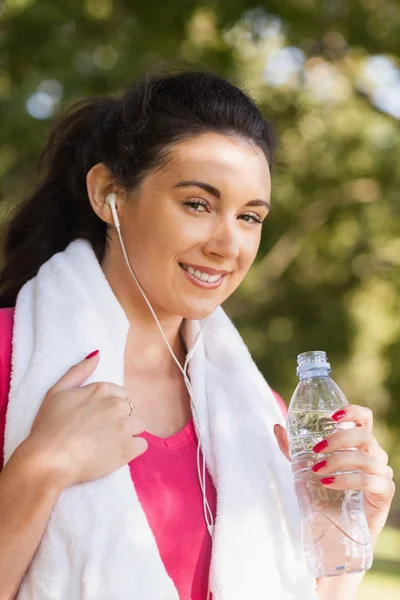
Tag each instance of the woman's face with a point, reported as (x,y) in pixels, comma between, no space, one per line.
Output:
(191,244)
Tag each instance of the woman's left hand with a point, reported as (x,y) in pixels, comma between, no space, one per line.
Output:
(374,477)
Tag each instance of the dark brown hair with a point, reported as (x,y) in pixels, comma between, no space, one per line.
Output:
(131,135)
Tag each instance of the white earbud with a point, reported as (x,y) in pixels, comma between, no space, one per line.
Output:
(111,200)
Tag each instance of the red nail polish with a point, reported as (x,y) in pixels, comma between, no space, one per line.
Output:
(320,446)
(338,415)
(92,354)
(327,480)
(319,466)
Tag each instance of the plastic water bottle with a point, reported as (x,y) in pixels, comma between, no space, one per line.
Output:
(335,532)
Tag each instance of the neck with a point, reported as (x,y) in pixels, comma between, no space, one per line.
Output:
(146,350)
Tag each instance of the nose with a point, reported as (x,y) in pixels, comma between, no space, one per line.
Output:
(224,239)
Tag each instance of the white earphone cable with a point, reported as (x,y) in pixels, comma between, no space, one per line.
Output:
(110,200)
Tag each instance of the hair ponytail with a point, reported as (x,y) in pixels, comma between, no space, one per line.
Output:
(59,210)
(130,135)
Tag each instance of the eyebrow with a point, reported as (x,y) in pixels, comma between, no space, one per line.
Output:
(210,189)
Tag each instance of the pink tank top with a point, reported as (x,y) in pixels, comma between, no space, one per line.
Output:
(166,481)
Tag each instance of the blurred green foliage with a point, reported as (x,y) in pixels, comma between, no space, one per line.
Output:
(327,276)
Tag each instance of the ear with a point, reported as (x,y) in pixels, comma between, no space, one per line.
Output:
(282,439)
(99,183)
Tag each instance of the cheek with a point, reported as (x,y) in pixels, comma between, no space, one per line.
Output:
(155,245)
(170,233)
(249,252)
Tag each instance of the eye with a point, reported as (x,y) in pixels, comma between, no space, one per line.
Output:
(197,205)
(252,218)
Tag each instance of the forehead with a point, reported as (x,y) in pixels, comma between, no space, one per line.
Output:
(222,161)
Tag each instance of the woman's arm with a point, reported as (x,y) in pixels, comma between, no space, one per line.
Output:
(28,494)
(343,587)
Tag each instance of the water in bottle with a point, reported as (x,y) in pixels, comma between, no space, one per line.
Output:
(335,532)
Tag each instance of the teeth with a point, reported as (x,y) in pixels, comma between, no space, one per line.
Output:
(202,276)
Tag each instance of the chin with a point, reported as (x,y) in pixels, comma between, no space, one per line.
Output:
(197,313)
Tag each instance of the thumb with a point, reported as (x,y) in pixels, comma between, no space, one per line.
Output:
(282,439)
(78,373)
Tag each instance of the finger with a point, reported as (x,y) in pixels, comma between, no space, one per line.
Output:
(378,452)
(136,425)
(348,460)
(137,446)
(77,374)
(282,439)
(118,407)
(357,437)
(352,438)
(381,488)
(362,416)
(106,389)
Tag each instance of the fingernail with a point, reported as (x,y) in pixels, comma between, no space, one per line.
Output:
(319,466)
(91,354)
(338,415)
(320,446)
(327,480)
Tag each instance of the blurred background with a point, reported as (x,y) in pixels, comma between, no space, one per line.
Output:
(327,74)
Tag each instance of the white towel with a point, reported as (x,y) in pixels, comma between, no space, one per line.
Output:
(98,544)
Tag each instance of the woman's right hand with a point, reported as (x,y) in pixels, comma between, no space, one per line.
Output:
(85,432)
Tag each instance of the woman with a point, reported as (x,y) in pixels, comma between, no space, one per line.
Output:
(182,162)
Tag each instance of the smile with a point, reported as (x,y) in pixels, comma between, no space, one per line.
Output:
(202,279)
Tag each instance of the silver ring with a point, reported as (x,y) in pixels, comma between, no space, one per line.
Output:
(132,408)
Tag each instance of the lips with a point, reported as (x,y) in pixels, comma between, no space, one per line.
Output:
(202,269)
(201,276)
